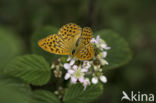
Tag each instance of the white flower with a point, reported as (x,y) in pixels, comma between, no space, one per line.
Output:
(86,64)
(73,79)
(97,40)
(106,62)
(70,71)
(69,58)
(93,40)
(100,43)
(103,78)
(76,74)
(81,79)
(94,80)
(67,66)
(101,57)
(67,76)
(84,70)
(72,61)
(75,67)
(86,82)
(80,73)
(104,54)
(103,62)
(104,45)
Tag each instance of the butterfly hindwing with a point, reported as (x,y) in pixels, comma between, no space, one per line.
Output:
(85,52)
(54,44)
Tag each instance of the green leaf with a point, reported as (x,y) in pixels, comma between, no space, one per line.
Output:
(120,53)
(76,94)
(31,68)
(13,90)
(43,96)
(10,46)
(40,34)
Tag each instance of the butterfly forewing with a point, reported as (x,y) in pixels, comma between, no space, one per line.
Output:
(70,31)
(54,44)
(86,35)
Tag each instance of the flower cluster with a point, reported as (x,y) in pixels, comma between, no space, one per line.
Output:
(84,72)
(77,72)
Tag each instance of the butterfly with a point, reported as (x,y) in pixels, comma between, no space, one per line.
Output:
(72,40)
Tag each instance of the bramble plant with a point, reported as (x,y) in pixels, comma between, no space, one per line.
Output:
(81,71)
(42,77)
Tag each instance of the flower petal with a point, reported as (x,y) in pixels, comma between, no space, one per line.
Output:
(81,79)
(103,78)
(106,62)
(85,83)
(72,62)
(107,48)
(84,70)
(86,64)
(67,76)
(73,80)
(104,54)
(70,71)
(93,40)
(69,58)
(98,38)
(67,66)
(75,67)
(94,80)
(103,46)
(103,62)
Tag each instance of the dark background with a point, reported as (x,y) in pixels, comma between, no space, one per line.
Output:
(135,20)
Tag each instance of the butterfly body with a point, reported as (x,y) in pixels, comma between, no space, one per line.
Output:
(70,40)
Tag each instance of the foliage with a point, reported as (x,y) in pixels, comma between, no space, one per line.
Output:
(43,96)
(13,90)
(34,69)
(76,93)
(30,79)
(31,68)
(10,46)
(120,53)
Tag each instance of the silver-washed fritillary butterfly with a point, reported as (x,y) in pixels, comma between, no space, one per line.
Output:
(70,40)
